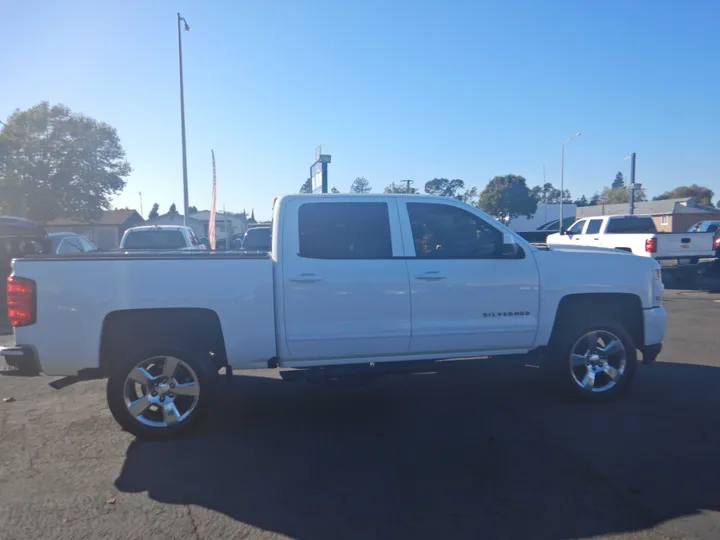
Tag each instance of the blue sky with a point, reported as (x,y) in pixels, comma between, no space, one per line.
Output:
(393,90)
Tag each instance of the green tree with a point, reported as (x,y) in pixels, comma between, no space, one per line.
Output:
(469,196)
(507,197)
(173,209)
(442,187)
(454,189)
(360,185)
(582,201)
(307,186)
(549,194)
(400,187)
(56,163)
(619,181)
(334,190)
(620,195)
(192,210)
(154,212)
(701,194)
(594,200)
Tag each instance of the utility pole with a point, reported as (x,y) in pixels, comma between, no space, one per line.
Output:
(182,116)
(633,186)
(142,214)
(407,190)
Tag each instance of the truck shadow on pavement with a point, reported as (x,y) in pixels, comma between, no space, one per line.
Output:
(489,451)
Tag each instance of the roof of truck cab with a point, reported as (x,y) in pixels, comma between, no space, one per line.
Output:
(158,227)
(368,195)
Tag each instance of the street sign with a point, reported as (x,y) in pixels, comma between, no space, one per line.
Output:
(318,152)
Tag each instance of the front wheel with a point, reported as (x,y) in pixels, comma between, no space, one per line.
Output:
(159,394)
(596,361)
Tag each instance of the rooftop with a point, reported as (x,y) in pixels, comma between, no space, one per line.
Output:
(108,217)
(685,205)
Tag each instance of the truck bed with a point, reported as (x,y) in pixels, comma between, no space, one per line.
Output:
(78,291)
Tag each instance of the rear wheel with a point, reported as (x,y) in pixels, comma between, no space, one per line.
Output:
(159,394)
(595,361)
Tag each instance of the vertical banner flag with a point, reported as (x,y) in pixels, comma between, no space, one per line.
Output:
(211,225)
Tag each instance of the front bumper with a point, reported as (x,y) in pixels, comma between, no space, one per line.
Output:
(23,359)
(655,326)
(651,352)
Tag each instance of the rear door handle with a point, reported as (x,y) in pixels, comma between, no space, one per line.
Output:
(430,276)
(306,278)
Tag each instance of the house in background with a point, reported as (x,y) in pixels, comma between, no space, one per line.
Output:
(670,215)
(105,232)
(176,218)
(225,225)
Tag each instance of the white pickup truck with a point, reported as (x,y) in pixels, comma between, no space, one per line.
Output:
(165,237)
(355,286)
(637,234)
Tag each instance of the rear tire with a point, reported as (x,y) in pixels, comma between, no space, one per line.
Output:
(597,371)
(153,400)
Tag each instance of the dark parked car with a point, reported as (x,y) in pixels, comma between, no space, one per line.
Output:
(257,239)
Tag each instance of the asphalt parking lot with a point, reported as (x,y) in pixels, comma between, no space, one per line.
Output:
(490,452)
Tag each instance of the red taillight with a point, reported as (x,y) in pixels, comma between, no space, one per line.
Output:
(21,301)
(651,245)
(716,242)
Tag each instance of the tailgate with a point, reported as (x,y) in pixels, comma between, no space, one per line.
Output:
(684,245)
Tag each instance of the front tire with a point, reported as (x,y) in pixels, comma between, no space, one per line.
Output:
(159,393)
(595,361)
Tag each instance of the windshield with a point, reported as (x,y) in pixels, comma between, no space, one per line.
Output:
(155,240)
(257,239)
(56,242)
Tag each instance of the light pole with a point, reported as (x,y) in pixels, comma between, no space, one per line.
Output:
(632,187)
(182,117)
(562,180)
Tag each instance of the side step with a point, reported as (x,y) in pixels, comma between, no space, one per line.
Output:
(375,369)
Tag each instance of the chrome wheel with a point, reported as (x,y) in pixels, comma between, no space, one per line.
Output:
(598,361)
(161,391)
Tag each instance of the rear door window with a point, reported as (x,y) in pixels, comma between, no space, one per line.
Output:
(593,226)
(338,230)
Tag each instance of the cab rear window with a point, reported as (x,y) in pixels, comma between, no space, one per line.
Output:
(630,225)
(155,240)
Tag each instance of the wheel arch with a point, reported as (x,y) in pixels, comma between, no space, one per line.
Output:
(624,308)
(198,329)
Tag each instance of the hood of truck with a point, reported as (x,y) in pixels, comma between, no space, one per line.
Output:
(584,249)
(578,270)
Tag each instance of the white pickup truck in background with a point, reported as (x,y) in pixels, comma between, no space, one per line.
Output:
(355,286)
(164,237)
(678,253)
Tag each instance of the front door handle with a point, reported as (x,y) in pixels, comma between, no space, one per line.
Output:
(430,276)
(306,278)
